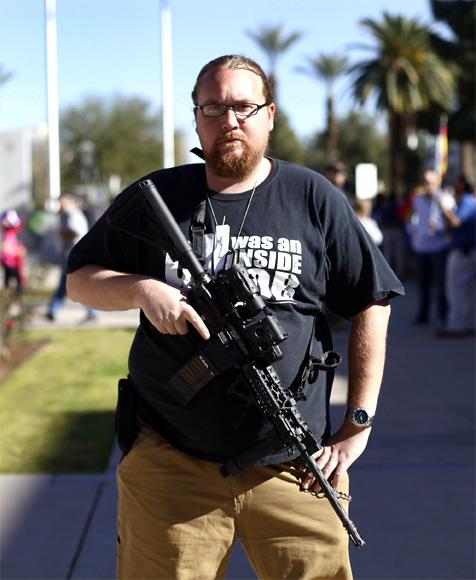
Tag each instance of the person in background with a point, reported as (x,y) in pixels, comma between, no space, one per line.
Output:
(73,226)
(461,264)
(336,173)
(430,243)
(12,253)
(363,210)
(390,221)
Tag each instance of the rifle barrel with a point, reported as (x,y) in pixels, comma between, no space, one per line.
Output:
(186,257)
(328,491)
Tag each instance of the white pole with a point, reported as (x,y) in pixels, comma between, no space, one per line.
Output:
(52,100)
(167,85)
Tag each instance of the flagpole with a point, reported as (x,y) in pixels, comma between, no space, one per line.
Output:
(52,104)
(441,148)
(167,85)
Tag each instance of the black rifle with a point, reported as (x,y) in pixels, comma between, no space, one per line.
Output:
(245,335)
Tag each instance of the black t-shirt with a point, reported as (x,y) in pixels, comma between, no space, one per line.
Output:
(302,245)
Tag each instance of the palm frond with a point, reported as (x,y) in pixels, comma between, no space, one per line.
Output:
(405,72)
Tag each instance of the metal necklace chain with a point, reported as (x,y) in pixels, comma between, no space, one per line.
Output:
(212,211)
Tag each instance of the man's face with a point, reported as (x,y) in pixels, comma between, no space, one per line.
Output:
(66,203)
(340,179)
(430,182)
(233,146)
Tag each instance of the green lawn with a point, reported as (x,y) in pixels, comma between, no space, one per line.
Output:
(57,409)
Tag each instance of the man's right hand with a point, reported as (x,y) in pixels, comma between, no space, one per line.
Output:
(167,308)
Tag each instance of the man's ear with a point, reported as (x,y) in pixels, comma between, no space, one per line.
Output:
(195,119)
(271,110)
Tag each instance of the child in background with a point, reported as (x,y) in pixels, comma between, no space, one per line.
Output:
(363,210)
(12,251)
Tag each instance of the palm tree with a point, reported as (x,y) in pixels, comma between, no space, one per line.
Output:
(459,48)
(406,76)
(273,42)
(327,68)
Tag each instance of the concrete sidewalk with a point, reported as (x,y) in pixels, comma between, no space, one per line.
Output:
(413,489)
(73,315)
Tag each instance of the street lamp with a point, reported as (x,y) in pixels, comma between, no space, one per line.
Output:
(52,104)
(167,85)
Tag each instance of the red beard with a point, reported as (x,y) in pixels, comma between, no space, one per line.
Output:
(232,163)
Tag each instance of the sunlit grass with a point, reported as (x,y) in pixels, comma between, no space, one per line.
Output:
(57,409)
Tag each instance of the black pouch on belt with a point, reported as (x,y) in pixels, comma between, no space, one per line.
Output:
(126,415)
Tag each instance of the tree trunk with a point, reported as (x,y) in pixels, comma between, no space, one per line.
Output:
(397,153)
(331,132)
(468,160)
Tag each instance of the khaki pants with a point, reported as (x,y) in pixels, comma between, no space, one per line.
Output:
(178,518)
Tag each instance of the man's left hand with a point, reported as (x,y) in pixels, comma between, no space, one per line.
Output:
(337,455)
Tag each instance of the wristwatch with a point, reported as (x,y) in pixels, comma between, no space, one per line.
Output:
(359,417)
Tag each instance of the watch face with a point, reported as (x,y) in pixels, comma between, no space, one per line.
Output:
(360,416)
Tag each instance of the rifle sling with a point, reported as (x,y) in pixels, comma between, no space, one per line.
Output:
(311,366)
(198,230)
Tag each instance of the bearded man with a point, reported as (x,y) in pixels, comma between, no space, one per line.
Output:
(303,247)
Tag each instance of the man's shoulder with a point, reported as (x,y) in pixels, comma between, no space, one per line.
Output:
(75,217)
(469,200)
(171,182)
(420,200)
(171,174)
(302,177)
(466,206)
(296,169)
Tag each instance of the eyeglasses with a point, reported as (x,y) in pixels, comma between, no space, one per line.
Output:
(241,110)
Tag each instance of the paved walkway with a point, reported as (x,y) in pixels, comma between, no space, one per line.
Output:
(413,489)
(73,315)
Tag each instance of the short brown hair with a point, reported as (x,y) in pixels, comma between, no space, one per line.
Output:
(233,62)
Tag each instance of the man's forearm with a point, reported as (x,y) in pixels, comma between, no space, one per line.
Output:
(367,345)
(104,289)
(366,362)
(164,306)
(450,217)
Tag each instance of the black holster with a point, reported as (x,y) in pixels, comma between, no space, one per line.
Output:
(126,415)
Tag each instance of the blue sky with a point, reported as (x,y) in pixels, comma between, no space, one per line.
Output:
(109,47)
